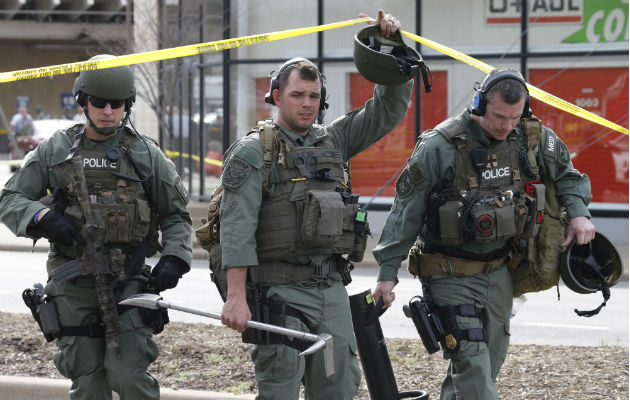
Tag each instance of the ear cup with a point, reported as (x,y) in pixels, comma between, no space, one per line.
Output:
(81,99)
(476,105)
(479,101)
(275,84)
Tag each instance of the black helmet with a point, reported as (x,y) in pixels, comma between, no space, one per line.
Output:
(386,60)
(115,83)
(591,267)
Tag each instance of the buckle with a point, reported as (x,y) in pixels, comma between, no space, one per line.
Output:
(323,270)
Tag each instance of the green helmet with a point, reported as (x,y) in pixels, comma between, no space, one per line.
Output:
(585,268)
(385,60)
(115,83)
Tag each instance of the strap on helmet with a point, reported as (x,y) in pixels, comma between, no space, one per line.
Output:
(603,285)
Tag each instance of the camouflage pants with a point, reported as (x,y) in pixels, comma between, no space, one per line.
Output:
(473,370)
(95,369)
(279,371)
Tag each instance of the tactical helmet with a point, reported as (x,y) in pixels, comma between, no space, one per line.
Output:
(384,60)
(587,268)
(115,83)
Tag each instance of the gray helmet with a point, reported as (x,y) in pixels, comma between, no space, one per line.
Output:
(585,268)
(385,60)
(115,83)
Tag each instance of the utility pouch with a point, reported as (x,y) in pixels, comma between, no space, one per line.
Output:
(328,221)
(361,232)
(449,223)
(436,200)
(208,233)
(427,323)
(506,221)
(520,215)
(413,260)
(536,191)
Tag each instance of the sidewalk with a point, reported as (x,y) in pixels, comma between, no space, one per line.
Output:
(23,388)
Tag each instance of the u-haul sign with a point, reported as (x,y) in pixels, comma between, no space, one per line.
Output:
(539,11)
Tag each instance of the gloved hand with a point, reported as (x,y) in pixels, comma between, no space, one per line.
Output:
(58,229)
(168,271)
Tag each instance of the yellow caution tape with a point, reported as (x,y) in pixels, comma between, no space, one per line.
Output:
(533,90)
(219,45)
(174,154)
(165,54)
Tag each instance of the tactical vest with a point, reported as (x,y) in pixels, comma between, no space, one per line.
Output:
(306,209)
(491,198)
(122,203)
(534,261)
(306,214)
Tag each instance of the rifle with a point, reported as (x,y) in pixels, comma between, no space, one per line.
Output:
(95,259)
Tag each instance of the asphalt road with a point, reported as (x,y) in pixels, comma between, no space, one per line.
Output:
(541,320)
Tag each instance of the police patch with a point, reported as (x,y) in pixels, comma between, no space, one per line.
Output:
(181,189)
(416,173)
(564,157)
(235,173)
(404,184)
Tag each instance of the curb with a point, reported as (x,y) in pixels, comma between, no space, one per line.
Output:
(28,388)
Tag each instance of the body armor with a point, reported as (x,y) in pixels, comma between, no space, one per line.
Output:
(307,213)
(492,197)
(306,209)
(121,203)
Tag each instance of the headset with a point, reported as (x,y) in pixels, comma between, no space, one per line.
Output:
(479,101)
(275,84)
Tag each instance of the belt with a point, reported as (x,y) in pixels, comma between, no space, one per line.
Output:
(441,264)
(428,248)
(282,273)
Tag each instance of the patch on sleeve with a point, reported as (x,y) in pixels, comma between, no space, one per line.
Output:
(564,157)
(181,189)
(416,172)
(551,146)
(404,184)
(235,173)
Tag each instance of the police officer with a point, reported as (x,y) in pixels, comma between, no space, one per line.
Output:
(133,190)
(466,192)
(260,231)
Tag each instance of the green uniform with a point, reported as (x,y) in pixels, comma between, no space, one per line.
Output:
(94,368)
(323,301)
(476,364)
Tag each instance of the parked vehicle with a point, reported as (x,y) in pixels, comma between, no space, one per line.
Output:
(31,136)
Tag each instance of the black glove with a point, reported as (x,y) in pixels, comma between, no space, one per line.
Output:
(58,229)
(168,271)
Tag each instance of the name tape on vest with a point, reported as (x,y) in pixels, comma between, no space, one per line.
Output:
(495,173)
(94,162)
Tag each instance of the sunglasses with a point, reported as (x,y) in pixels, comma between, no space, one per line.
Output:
(102,103)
